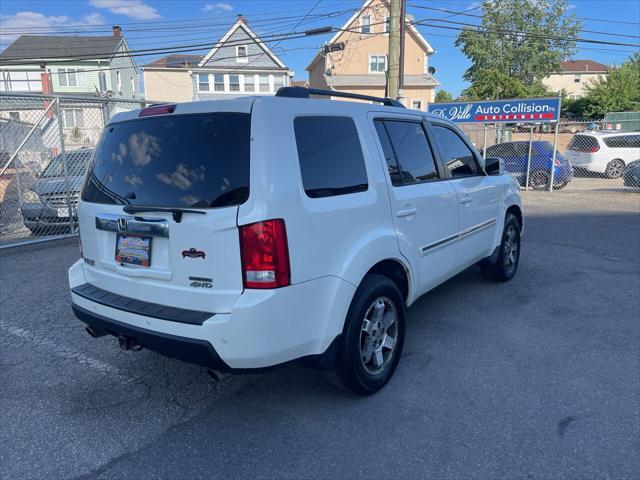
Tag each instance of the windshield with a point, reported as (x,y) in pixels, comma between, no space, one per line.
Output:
(77,163)
(195,161)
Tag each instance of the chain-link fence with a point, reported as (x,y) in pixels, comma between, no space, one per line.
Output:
(601,155)
(46,143)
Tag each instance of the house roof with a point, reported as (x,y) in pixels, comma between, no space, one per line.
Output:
(409,23)
(175,61)
(241,23)
(425,80)
(582,66)
(299,83)
(41,47)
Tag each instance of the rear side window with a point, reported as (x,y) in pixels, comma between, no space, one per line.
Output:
(623,141)
(330,155)
(584,143)
(407,152)
(199,161)
(457,156)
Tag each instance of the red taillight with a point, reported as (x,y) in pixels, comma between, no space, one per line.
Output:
(593,149)
(157,110)
(557,163)
(265,254)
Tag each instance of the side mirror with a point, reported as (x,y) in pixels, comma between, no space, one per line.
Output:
(494,166)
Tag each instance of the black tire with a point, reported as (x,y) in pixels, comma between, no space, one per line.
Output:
(505,265)
(350,371)
(539,180)
(560,186)
(615,168)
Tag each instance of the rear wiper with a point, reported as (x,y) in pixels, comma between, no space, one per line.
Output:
(176,211)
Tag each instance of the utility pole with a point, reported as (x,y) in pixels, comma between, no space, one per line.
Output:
(403,16)
(394,49)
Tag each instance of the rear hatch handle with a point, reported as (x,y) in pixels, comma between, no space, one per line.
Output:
(177,212)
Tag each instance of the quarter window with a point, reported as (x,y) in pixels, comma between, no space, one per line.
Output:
(330,155)
(456,155)
(407,152)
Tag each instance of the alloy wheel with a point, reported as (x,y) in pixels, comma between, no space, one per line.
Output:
(378,336)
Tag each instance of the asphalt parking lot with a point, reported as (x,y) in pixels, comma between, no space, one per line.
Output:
(538,378)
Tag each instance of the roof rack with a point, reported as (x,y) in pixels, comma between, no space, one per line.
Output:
(302,92)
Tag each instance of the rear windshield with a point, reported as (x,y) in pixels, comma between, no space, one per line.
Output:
(198,161)
(583,143)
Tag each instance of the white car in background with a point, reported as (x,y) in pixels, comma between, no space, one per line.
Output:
(604,152)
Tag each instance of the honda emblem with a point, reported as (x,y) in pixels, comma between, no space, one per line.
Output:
(122,224)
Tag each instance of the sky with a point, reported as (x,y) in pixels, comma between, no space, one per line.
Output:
(148,24)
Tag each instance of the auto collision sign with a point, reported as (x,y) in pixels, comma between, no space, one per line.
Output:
(527,110)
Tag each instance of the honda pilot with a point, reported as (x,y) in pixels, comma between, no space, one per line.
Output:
(247,233)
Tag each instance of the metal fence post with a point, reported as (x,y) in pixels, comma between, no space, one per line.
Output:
(484,143)
(526,185)
(67,186)
(553,159)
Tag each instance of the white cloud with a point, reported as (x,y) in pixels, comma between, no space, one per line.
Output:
(37,23)
(217,7)
(129,8)
(571,6)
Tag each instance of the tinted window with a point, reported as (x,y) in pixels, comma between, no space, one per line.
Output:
(457,156)
(389,156)
(173,161)
(584,143)
(501,150)
(330,155)
(624,141)
(410,147)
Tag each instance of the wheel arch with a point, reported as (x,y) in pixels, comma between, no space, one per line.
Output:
(396,271)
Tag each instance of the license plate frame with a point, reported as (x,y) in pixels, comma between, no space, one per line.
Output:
(139,249)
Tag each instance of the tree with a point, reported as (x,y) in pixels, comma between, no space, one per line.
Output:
(442,96)
(524,40)
(619,92)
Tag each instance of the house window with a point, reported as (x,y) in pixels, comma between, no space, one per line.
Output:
(387,24)
(133,86)
(20,82)
(234,83)
(416,104)
(241,54)
(377,63)
(249,83)
(218,82)
(203,82)
(278,81)
(73,118)
(365,24)
(264,83)
(119,80)
(70,77)
(576,78)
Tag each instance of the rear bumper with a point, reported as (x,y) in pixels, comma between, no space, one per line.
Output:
(264,327)
(189,350)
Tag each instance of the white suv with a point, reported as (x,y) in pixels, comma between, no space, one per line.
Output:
(605,152)
(242,234)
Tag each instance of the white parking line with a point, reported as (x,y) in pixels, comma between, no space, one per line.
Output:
(66,352)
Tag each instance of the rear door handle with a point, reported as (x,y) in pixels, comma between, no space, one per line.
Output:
(466,199)
(407,212)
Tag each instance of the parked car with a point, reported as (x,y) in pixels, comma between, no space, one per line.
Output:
(516,158)
(604,152)
(632,174)
(44,204)
(314,224)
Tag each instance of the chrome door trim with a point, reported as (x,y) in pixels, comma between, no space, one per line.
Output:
(153,227)
(432,247)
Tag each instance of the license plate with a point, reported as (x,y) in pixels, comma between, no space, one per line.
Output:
(63,212)
(133,249)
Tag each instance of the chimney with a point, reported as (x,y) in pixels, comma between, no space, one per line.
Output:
(241,18)
(117,31)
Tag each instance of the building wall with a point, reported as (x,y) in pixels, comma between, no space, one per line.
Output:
(225,56)
(566,81)
(425,95)
(126,67)
(168,85)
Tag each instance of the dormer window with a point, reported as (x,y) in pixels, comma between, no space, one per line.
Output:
(365,24)
(241,54)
